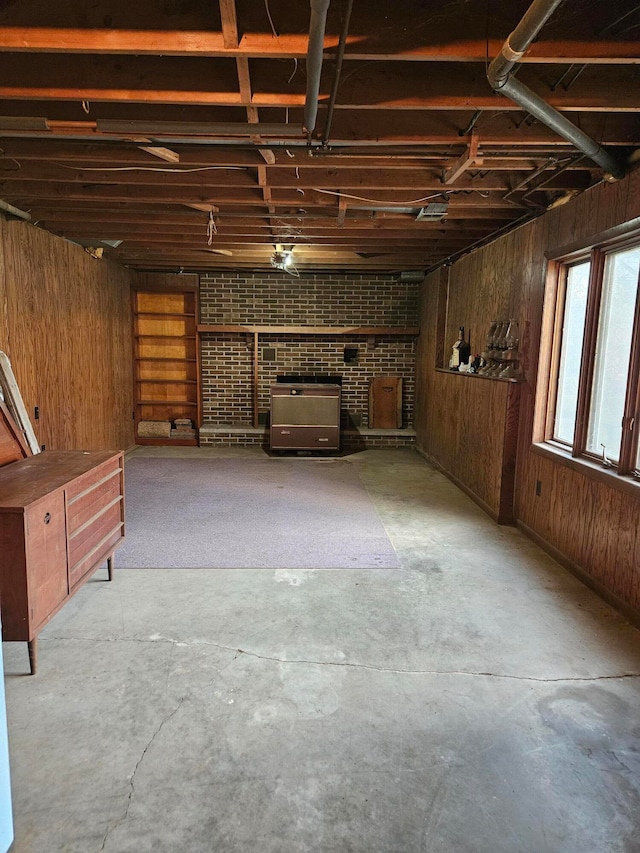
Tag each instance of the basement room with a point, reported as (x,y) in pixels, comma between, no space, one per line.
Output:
(319,426)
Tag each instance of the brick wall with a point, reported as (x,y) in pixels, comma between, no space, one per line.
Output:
(314,300)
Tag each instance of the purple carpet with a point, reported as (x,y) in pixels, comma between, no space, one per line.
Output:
(250,514)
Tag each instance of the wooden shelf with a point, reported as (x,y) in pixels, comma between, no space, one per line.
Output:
(165,403)
(165,358)
(161,316)
(169,337)
(168,381)
(364,331)
(159,442)
(478,375)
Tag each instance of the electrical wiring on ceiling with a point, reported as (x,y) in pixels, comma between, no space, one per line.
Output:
(378,201)
(148,168)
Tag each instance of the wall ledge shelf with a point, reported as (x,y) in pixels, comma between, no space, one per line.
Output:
(165,358)
(165,442)
(512,379)
(168,337)
(351,438)
(165,403)
(159,315)
(364,331)
(167,381)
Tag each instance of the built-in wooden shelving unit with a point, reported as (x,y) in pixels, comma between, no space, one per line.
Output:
(166,359)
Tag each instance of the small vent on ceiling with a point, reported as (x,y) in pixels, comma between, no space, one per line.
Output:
(435,210)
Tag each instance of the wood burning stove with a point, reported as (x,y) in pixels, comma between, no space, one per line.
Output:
(305,416)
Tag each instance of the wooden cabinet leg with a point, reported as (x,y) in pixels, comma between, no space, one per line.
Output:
(33,654)
(110,567)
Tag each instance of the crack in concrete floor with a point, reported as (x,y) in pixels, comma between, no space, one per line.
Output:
(350,664)
(121,820)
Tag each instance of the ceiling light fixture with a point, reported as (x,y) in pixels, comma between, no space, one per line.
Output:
(282,259)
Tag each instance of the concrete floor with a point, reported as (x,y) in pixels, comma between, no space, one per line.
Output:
(479,699)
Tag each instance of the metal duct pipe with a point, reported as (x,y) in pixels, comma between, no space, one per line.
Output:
(314,61)
(499,76)
(13,212)
(336,75)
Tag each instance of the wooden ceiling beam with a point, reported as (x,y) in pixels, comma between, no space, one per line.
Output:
(182,42)
(84,215)
(228,17)
(337,236)
(367,132)
(246,245)
(368,86)
(357,183)
(123,193)
(101,154)
(467,160)
(26,193)
(612,101)
(229,23)
(410,259)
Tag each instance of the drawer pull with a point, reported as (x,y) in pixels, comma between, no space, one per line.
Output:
(285,432)
(323,439)
(47,518)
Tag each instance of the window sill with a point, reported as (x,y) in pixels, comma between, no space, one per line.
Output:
(589,469)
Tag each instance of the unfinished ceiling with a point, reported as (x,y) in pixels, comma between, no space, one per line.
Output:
(170,132)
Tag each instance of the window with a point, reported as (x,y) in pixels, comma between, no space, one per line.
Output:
(593,396)
(575,307)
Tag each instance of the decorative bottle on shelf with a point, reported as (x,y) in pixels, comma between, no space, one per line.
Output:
(501,337)
(461,351)
(512,357)
(513,335)
(491,336)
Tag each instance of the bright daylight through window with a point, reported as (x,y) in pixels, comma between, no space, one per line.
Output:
(594,399)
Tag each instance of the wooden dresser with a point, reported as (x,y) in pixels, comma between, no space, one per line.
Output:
(61,518)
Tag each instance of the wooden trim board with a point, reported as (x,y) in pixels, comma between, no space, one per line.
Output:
(15,403)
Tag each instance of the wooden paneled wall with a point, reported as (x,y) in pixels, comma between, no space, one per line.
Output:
(65,323)
(463,420)
(592,527)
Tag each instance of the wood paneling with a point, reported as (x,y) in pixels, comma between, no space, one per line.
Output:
(592,525)
(65,323)
(462,422)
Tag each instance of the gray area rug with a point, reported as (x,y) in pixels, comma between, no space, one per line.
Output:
(251,514)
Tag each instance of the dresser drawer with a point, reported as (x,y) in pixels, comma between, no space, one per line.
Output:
(86,482)
(85,539)
(89,502)
(95,556)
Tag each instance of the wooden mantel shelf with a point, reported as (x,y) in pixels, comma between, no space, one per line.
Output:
(375,331)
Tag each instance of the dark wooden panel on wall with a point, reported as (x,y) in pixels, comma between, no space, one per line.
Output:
(66,325)
(591,524)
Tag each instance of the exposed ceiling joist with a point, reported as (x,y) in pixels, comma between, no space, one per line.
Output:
(141,122)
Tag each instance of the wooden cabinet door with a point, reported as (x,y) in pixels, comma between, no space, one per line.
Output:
(385,402)
(46,542)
